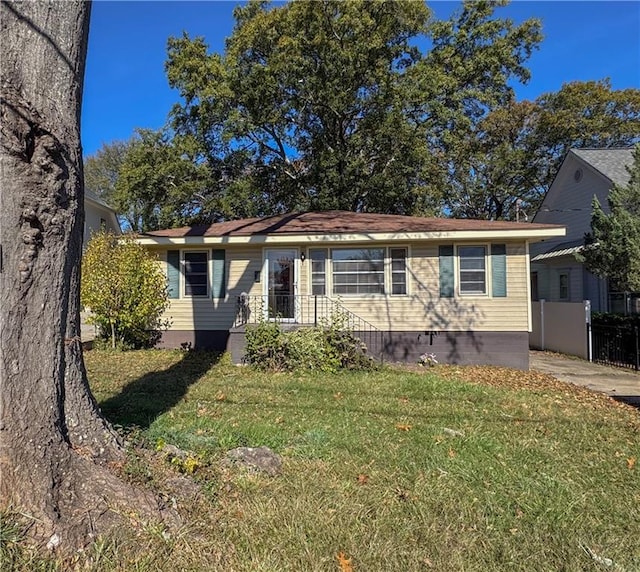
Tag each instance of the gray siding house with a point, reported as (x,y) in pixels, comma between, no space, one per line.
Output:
(97,215)
(556,274)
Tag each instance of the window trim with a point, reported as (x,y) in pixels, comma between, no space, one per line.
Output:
(381,273)
(561,274)
(389,260)
(183,272)
(325,271)
(487,274)
(387,270)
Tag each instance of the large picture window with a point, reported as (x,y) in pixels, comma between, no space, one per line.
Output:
(473,269)
(358,271)
(196,281)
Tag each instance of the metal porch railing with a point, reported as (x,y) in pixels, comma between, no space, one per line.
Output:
(308,310)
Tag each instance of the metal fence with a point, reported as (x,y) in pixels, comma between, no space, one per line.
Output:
(616,345)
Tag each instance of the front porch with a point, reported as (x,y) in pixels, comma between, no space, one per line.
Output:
(301,311)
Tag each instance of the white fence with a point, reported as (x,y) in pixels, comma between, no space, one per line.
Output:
(561,327)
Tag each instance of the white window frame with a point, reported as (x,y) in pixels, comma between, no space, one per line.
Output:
(382,272)
(387,272)
(183,272)
(389,260)
(561,275)
(486,270)
(327,262)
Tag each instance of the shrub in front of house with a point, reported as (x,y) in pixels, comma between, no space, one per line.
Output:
(125,290)
(322,348)
(610,319)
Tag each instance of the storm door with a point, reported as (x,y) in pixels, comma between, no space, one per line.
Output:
(281,284)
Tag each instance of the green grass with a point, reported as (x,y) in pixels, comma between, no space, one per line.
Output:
(374,468)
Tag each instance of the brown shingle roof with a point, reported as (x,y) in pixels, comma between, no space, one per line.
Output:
(341,222)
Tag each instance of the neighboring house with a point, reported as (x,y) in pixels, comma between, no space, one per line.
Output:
(97,215)
(556,273)
(456,288)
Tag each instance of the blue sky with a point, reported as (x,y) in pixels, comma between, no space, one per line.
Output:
(126,87)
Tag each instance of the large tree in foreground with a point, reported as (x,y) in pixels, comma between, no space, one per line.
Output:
(55,444)
(612,248)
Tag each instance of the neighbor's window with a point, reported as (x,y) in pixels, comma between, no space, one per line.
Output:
(196,281)
(473,269)
(318,258)
(564,285)
(358,270)
(398,270)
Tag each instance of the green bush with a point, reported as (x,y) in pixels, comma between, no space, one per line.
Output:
(265,346)
(125,290)
(608,319)
(328,347)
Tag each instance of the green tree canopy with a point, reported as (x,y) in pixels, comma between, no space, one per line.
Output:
(512,155)
(612,248)
(162,182)
(124,288)
(321,105)
(101,170)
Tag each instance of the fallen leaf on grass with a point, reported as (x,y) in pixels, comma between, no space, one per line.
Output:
(220,396)
(344,562)
(631,462)
(452,453)
(338,395)
(403,427)
(363,479)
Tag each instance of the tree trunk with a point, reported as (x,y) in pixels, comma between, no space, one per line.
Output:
(54,444)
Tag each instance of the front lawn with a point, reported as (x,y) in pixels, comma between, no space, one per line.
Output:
(426,469)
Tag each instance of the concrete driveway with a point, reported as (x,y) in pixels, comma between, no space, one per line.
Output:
(621,384)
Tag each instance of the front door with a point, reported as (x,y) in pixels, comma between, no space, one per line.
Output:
(281,283)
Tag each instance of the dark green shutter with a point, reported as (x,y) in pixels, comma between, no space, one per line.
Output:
(446,271)
(218,281)
(499,270)
(173,273)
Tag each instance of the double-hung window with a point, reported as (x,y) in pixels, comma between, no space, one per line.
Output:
(318,258)
(472,269)
(196,275)
(398,270)
(563,285)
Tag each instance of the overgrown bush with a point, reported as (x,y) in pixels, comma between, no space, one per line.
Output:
(609,319)
(125,290)
(328,347)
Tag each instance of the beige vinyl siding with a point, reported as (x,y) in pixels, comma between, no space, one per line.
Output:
(420,310)
(241,264)
(423,309)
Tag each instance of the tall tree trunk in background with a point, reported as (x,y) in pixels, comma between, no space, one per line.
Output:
(54,442)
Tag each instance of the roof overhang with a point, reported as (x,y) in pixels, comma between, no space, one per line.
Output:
(557,253)
(530,235)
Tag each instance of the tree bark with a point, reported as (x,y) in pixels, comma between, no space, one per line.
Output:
(54,443)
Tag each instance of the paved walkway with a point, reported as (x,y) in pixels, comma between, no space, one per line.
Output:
(619,383)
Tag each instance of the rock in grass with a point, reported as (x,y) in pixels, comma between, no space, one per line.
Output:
(256,460)
(453,432)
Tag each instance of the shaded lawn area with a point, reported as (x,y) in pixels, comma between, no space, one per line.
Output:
(446,468)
